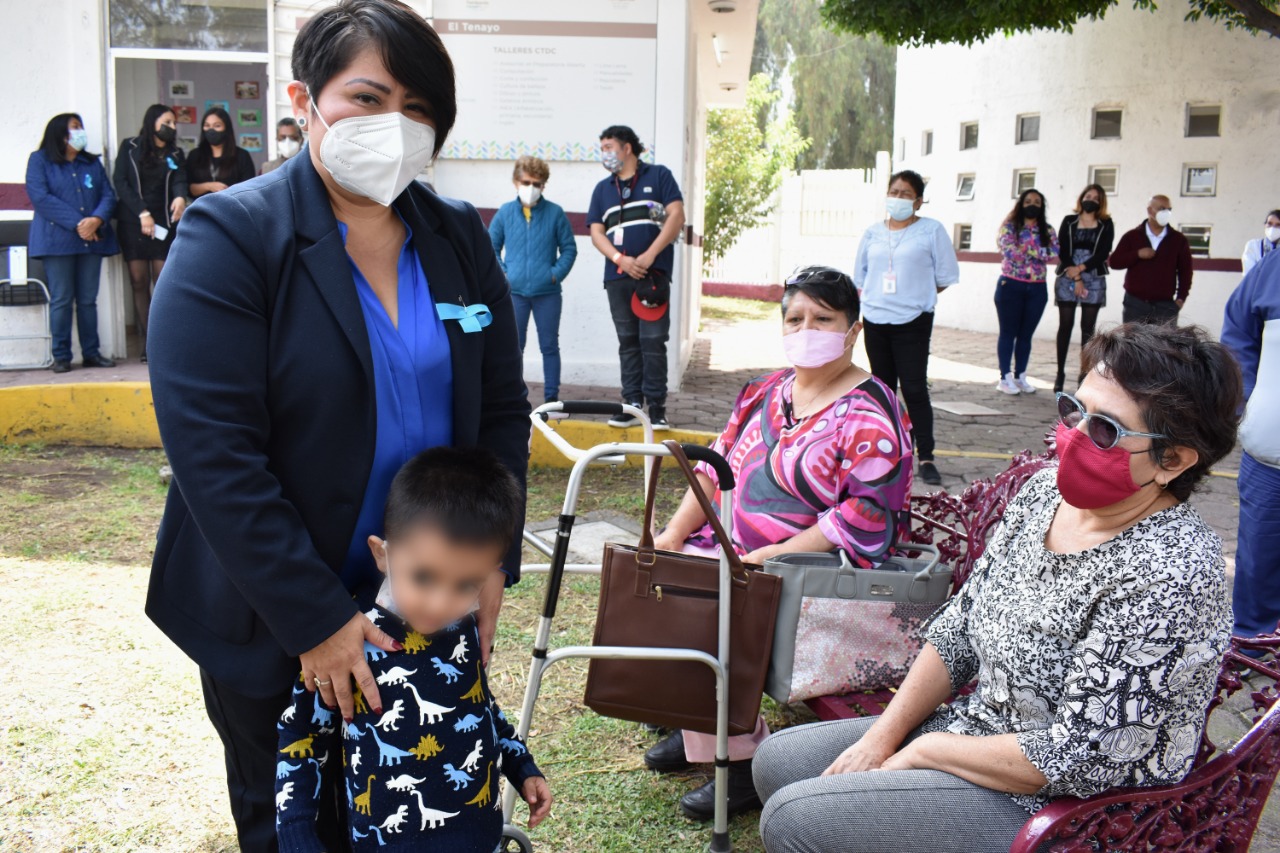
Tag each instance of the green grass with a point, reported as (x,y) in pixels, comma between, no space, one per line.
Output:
(733,309)
(105,747)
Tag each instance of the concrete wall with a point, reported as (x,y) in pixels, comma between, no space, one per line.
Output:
(1152,65)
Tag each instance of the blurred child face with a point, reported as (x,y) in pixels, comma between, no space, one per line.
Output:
(435,580)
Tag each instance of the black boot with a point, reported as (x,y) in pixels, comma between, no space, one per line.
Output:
(700,803)
(667,755)
(1059,382)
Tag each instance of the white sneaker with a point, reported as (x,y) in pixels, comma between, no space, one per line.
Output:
(1008,385)
(1024,385)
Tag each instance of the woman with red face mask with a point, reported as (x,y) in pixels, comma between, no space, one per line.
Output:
(1094,626)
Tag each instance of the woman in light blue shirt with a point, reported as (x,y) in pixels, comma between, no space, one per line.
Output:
(903,264)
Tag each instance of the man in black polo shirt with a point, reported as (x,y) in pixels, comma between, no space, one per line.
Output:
(635,216)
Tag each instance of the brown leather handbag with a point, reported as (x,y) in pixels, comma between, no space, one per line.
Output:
(671,600)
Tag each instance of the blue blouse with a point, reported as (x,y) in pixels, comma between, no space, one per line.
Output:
(413,393)
(921,257)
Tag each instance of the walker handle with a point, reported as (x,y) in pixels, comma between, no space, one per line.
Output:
(590,407)
(721,465)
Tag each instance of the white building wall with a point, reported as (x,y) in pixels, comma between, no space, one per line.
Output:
(1149,64)
(71,32)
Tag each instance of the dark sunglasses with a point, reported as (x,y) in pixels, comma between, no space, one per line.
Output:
(1103,431)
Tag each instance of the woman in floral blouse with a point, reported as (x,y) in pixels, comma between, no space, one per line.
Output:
(821,454)
(1094,626)
(1027,243)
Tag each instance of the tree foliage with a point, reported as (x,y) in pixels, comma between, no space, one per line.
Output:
(749,150)
(841,85)
(920,22)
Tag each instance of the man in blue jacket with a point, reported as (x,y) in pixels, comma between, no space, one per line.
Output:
(1251,328)
(534,243)
(635,216)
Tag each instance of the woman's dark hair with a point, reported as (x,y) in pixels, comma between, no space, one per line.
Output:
(409,47)
(147,134)
(1016,216)
(913,178)
(1102,213)
(54,142)
(202,157)
(1275,213)
(623,134)
(1187,385)
(466,493)
(826,285)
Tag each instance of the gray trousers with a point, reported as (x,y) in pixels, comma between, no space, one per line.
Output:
(913,811)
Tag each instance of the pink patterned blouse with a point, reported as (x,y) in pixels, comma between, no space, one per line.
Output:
(1023,258)
(838,468)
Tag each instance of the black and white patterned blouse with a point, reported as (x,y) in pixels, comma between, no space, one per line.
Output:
(1102,661)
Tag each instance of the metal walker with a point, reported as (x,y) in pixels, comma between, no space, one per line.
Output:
(543,658)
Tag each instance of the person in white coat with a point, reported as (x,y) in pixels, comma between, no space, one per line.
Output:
(1257,249)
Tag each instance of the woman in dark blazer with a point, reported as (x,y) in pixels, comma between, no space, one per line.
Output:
(1084,241)
(286,399)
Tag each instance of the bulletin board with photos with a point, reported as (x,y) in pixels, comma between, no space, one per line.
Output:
(194,88)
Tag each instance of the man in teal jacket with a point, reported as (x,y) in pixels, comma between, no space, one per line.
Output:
(534,242)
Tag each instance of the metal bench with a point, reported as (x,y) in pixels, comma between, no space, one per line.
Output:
(1216,808)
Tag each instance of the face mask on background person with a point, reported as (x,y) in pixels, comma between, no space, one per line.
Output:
(814,347)
(215,137)
(376,156)
(900,209)
(166,134)
(78,139)
(1272,233)
(529,195)
(1163,217)
(611,162)
(1090,206)
(1088,476)
(288,147)
(1032,211)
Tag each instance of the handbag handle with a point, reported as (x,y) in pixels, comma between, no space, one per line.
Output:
(721,466)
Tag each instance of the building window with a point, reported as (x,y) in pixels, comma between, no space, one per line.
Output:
(964,187)
(902,148)
(926,143)
(968,135)
(239,25)
(1198,236)
(1106,122)
(1204,120)
(1028,128)
(1107,177)
(964,238)
(1023,180)
(1200,179)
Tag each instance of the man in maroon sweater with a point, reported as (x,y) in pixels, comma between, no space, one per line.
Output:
(1157,261)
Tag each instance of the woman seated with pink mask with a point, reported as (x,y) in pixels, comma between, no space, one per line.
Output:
(821,453)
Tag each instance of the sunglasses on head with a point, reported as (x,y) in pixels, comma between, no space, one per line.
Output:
(1102,430)
(818,276)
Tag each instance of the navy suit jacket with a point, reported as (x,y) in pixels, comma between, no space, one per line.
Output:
(262,377)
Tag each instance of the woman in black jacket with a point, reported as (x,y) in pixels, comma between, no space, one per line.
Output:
(217,162)
(309,339)
(1085,240)
(151,181)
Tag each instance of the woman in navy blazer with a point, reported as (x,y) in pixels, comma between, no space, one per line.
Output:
(270,392)
(71,231)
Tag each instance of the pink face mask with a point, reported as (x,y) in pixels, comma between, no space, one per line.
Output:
(1088,476)
(813,347)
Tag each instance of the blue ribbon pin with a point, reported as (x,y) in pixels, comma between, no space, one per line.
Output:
(472,318)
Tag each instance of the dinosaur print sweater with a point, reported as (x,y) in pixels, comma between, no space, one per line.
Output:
(420,776)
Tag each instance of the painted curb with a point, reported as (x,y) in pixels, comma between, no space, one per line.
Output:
(121,414)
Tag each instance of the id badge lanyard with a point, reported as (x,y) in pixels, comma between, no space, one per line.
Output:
(889,280)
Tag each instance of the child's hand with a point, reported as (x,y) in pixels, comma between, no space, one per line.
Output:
(538,795)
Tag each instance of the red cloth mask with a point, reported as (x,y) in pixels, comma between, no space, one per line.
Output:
(1088,476)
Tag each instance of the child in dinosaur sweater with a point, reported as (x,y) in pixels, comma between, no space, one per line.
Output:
(423,774)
